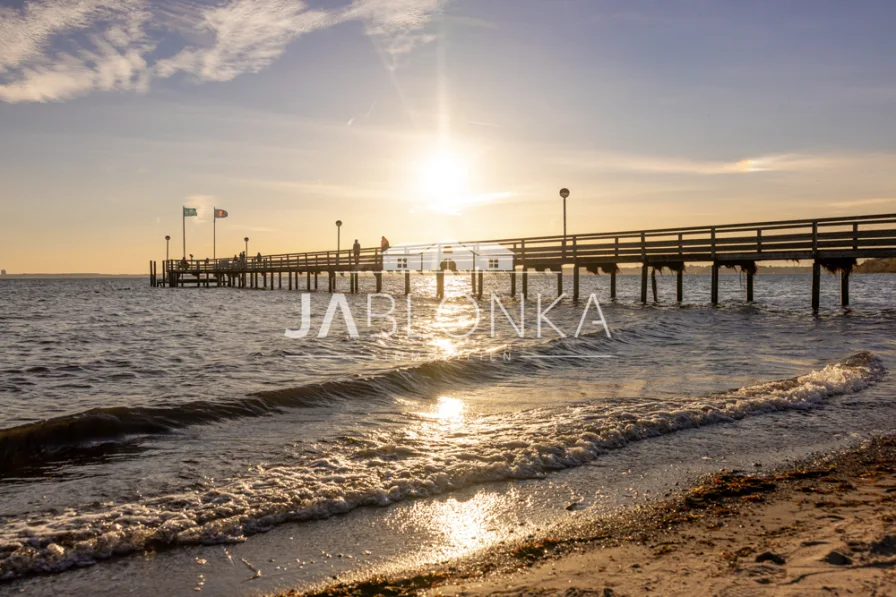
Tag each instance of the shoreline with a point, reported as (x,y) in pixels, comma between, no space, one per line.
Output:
(825,525)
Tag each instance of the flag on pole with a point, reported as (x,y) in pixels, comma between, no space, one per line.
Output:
(220,213)
(188,213)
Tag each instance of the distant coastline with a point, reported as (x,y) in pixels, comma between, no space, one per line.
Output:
(869,266)
(69,276)
(877,266)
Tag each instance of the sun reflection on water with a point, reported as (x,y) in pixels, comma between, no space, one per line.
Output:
(456,527)
(447,410)
(444,346)
(463,526)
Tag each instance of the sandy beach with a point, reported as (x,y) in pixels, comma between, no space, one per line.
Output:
(825,527)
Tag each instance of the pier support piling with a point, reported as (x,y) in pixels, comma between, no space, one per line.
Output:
(440,285)
(513,284)
(816,286)
(613,285)
(714,292)
(525,276)
(379,281)
(560,282)
(749,287)
(575,283)
(653,284)
(479,284)
(473,281)
(407,283)
(679,286)
(844,288)
(644,284)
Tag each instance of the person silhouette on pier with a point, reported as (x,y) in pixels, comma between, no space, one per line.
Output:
(356,249)
(384,246)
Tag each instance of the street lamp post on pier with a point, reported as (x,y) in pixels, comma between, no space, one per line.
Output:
(338,239)
(564,192)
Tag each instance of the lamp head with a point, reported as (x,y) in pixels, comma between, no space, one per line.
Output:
(338,223)
(564,193)
(246,239)
(167,237)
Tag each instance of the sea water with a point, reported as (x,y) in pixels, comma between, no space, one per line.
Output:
(159,436)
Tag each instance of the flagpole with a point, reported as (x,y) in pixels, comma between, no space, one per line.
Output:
(215,234)
(183,215)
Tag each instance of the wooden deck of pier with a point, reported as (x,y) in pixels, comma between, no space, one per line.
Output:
(832,243)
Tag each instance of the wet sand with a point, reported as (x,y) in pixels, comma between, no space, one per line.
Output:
(822,527)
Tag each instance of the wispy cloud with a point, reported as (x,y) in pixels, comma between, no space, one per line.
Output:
(455,205)
(109,53)
(398,24)
(366,115)
(54,50)
(204,204)
(247,36)
(610,162)
(863,202)
(316,188)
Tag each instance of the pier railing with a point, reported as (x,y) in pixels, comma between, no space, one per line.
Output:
(859,237)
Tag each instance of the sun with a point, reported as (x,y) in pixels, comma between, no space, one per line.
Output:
(443,178)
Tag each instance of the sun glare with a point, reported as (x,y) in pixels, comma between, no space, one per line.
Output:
(443,179)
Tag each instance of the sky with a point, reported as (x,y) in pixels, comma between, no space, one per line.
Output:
(428,120)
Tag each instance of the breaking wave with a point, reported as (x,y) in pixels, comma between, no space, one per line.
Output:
(426,458)
(53,438)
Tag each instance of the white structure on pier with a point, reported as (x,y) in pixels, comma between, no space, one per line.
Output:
(448,256)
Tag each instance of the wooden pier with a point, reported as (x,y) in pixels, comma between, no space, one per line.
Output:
(831,243)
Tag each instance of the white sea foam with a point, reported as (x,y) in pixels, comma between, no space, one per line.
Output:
(427,458)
